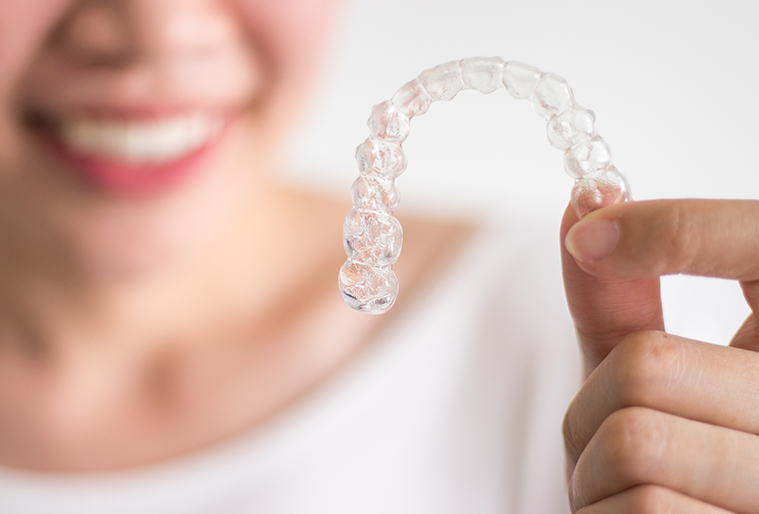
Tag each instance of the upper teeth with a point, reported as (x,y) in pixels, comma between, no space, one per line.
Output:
(141,141)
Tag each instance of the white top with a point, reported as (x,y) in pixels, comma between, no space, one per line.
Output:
(456,408)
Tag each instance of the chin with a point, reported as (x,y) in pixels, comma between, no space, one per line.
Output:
(130,256)
(159,236)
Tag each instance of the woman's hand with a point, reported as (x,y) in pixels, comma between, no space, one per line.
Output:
(662,424)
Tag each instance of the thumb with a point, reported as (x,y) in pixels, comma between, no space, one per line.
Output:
(605,310)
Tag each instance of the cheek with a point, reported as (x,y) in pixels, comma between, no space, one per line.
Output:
(24,25)
(23,28)
(291,35)
(290,32)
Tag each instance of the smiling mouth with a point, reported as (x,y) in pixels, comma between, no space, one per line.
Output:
(132,154)
(140,142)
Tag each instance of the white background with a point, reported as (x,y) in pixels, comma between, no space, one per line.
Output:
(674,85)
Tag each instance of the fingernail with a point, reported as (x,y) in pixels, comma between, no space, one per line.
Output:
(592,241)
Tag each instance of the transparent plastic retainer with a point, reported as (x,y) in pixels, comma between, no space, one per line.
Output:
(373,237)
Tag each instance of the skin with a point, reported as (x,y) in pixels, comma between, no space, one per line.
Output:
(137,328)
(662,423)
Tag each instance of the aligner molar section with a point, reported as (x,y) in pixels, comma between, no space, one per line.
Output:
(600,189)
(375,194)
(587,157)
(372,237)
(367,288)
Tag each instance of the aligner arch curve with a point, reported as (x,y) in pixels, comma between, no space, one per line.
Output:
(372,236)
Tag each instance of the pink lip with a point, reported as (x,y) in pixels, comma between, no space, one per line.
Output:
(119,177)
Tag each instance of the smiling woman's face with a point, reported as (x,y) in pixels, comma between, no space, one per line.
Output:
(131,130)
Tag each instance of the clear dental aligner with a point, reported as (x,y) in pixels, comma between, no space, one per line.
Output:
(373,237)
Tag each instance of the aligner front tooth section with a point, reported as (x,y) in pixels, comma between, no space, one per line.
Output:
(571,127)
(412,99)
(552,96)
(443,82)
(372,237)
(600,189)
(383,158)
(367,288)
(388,123)
(483,74)
(375,194)
(520,79)
(587,157)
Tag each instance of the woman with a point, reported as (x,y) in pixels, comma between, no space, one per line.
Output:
(172,340)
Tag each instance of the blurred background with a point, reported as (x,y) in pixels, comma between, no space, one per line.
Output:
(674,85)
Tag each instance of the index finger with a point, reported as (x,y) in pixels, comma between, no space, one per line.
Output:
(604,310)
(624,248)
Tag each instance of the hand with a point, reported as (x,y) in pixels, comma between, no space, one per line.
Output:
(662,424)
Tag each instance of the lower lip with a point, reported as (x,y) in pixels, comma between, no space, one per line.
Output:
(121,177)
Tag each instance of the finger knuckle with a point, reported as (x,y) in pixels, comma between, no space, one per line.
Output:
(645,365)
(633,444)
